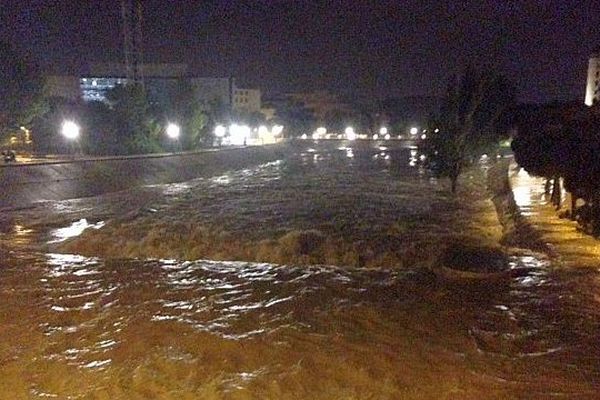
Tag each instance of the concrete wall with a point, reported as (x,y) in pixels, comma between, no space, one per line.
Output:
(24,184)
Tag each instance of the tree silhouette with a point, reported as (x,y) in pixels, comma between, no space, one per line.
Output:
(21,90)
(471,121)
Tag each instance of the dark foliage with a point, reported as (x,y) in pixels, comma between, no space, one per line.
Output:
(471,122)
(21,87)
(565,145)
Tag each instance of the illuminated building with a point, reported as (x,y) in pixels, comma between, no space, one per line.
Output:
(592,90)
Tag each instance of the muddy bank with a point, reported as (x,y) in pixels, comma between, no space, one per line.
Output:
(294,213)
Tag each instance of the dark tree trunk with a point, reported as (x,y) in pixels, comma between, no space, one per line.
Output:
(573,206)
(454,174)
(556,193)
(547,186)
(595,214)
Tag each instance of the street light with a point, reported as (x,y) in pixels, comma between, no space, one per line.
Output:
(350,134)
(220,131)
(277,129)
(239,134)
(70,130)
(173,131)
(414,131)
(383,131)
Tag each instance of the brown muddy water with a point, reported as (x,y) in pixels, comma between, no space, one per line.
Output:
(75,327)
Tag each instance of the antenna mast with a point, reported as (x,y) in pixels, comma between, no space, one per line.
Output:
(131,15)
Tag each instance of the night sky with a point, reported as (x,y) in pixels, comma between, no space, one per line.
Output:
(359,48)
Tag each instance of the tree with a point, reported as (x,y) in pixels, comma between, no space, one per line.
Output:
(191,114)
(297,118)
(547,138)
(101,130)
(21,90)
(564,143)
(138,130)
(471,122)
(46,132)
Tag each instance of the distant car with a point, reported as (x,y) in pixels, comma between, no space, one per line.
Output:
(9,156)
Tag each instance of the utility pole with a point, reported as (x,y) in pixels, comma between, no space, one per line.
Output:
(131,15)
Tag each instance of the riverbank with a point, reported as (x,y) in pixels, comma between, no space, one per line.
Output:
(25,184)
(570,247)
(310,216)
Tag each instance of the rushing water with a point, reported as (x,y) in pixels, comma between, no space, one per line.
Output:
(78,327)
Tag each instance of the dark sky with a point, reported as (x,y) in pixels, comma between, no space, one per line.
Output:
(381,48)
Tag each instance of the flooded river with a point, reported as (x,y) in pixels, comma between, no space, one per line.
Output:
(75,327)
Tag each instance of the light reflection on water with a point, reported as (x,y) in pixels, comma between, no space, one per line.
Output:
(239,326)
(75,229)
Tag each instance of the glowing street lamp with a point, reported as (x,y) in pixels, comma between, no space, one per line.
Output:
(70,130)
(220,131)
(239,134)
(173,131)
(277,129)
(350,134)
(383,131)
(414,131)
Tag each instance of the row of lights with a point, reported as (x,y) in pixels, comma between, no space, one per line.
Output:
(351,134)
(71,131)
(239,133)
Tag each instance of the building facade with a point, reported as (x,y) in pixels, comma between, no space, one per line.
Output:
(321,103)
(246,100)
(214,90)
(161,82)
(66,87)
(592,90)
